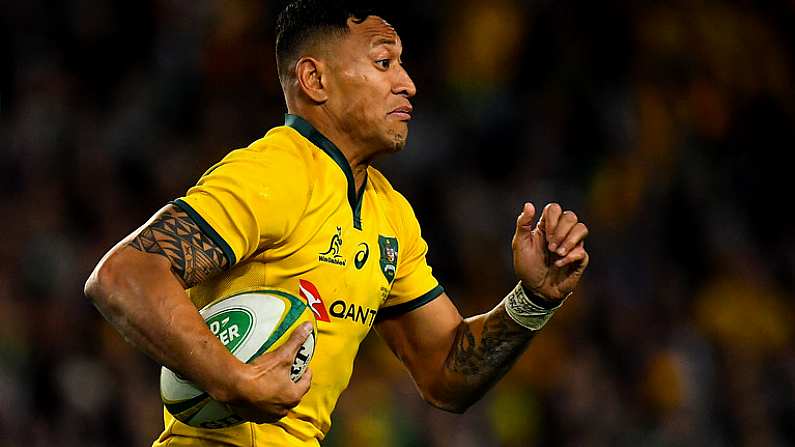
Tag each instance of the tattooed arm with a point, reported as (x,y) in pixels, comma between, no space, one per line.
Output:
(173,235)
(139,287)
(454,361)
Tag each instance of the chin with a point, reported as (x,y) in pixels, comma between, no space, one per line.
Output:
(397,139)
(398,143)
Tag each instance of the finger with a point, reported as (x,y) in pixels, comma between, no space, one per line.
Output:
(549,221)
(298,391)
(304,383)
(577,254)
(297,338)
(525,220)
(557,236)
(575,235)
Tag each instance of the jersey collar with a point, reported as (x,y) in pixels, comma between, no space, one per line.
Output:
(308,131)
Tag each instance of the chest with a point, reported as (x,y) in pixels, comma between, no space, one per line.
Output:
(343,265)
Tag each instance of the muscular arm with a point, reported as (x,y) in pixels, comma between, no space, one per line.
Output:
(139,287)
(454,361)
(173,235)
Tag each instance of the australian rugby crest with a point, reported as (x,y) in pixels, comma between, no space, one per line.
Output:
(389,256)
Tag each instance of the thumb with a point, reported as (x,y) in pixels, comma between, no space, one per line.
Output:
(297,338)
(524,223)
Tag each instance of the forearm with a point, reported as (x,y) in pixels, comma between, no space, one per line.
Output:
(149,307)
(454,361)
(484,348)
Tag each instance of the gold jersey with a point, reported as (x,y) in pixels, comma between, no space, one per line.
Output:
(286,212)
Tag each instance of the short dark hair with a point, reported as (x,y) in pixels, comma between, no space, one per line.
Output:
(303,21)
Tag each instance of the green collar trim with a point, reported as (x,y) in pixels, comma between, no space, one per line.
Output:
(318,139)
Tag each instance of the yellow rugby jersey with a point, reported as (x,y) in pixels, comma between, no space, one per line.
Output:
(286,213)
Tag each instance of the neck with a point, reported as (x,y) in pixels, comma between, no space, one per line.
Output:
(355,152)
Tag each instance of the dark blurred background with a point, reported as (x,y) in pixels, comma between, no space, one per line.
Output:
(664,125)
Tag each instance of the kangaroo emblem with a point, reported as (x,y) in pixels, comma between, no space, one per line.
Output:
(332,255)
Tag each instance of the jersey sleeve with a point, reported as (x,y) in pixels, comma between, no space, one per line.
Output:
(251,200)
(414,284)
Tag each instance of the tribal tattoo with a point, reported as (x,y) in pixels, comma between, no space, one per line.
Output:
(485,360)
(194,257)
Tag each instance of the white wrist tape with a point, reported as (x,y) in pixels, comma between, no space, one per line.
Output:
(525,312)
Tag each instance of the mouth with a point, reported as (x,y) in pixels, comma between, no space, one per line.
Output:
(403,113)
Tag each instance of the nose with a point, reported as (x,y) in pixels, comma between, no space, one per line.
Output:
(403,85)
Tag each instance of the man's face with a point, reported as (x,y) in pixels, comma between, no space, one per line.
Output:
(369,90)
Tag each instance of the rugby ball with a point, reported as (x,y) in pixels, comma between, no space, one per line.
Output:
(248,324)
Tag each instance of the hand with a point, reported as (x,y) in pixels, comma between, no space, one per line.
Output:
(264,392)
(550,258)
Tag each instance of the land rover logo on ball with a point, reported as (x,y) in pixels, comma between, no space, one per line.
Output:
(231,326)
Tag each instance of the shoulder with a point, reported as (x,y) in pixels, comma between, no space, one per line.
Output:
(386,192)
(279,152)
(395,205)
(281,142)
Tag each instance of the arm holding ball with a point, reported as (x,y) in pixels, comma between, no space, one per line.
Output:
(139,287)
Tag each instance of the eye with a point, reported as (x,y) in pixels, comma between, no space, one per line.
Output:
(384,63)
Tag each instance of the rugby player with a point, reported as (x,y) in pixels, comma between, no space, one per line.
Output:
(302,210)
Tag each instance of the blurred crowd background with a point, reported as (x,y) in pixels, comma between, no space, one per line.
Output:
(664,125)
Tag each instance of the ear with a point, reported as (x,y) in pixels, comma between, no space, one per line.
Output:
(310,75)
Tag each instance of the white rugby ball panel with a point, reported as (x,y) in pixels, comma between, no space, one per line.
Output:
(295,309)
(248,324)
(175,389)
(266,314)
